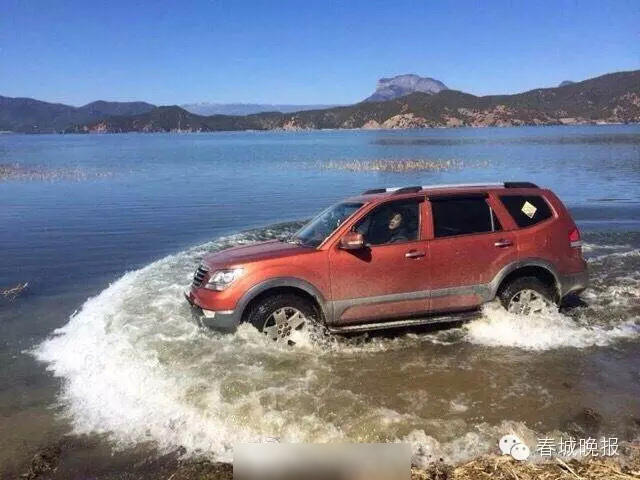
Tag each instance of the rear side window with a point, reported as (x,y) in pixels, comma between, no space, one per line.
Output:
(462,216)
(527,210)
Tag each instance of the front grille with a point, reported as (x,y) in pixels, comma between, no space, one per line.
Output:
(200,275)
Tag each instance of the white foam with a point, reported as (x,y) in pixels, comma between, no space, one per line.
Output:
(543,331)
(617,254)
(625,292)
(114,384)
(134,367)
(481,440)
(590,247)
(458,406)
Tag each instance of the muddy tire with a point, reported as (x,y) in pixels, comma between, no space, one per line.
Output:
(527,295)
(281,316)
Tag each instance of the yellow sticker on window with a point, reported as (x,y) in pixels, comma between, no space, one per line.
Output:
(528,209)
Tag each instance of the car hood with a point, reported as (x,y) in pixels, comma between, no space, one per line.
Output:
(253,253)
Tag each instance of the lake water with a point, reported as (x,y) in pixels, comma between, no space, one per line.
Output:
(107,231)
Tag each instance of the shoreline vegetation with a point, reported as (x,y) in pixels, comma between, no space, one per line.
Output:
(609,99)
(74,456)
(397,165)
(17,172)
(11,293)
(37,173)
(100,131)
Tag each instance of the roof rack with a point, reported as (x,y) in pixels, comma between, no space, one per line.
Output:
(407,190)
(399,190)
(413,189)
(463,185)
(520,185)
(374,190)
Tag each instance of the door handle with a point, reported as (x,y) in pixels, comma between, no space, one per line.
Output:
(414,254)
(502,243)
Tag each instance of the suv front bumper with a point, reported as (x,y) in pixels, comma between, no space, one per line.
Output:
(222,320)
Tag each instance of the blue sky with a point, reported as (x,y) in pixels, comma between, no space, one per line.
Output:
(304,51)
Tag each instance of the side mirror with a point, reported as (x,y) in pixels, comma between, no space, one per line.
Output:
(352,241)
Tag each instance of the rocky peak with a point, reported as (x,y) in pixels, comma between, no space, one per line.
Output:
(401,85)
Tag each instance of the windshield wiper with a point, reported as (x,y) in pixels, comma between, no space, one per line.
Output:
(294,240)
(300,242)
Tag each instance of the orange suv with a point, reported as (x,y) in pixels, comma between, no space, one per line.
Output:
(394,257)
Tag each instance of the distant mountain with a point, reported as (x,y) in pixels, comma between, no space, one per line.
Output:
(102,108)
(612,98)
(402,85)
(565,83)
(177,119)
(206,108)
(34,116)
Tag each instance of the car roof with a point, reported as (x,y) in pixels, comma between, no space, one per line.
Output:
(378,194)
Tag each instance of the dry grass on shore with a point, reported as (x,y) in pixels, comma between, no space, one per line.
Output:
(488,467)
(492,467)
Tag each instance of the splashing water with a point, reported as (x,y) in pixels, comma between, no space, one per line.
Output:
(136,367)
(542,331)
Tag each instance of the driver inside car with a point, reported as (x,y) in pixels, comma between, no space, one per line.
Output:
(397,229)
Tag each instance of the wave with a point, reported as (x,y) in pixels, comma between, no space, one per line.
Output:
(136,368)
(547,330)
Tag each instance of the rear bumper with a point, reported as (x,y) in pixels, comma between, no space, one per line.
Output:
(573,283)
(222,320)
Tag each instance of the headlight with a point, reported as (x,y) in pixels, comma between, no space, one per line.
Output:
(221,279)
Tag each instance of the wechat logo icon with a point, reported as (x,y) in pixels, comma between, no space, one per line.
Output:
(512,445)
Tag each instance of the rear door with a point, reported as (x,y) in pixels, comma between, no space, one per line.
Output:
(389,277)
(468,247)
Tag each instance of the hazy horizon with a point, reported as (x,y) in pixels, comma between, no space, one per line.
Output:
(266,103)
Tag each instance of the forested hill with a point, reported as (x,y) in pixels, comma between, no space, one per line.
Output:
(612,98)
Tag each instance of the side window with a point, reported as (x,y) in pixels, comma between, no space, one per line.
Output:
(394,222)
(526,210)
(462,216)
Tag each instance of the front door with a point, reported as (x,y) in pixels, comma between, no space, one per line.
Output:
(389,277)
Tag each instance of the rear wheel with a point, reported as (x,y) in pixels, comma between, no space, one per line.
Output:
(526,296)
(282,317)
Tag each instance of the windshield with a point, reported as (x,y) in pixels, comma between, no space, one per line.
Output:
(315,232)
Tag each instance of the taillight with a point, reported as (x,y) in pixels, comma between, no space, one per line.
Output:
(574,237)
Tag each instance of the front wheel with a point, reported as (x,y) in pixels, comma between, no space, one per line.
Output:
(526,296)
(283,318)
